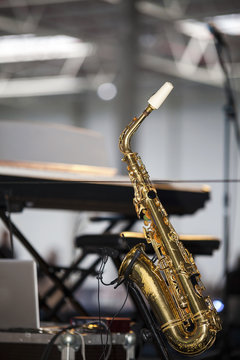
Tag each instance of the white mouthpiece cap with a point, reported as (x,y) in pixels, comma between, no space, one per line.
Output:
(158,98)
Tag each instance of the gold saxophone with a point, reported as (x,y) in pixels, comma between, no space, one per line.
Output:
(172,287)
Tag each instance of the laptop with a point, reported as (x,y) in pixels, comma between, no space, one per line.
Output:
(19,307)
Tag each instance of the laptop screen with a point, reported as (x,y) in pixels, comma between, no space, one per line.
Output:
(19,306)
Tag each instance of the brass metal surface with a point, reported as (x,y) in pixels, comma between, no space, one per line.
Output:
(172,287)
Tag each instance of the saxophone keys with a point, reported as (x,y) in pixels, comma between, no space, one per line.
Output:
(166,221)
(146,215)
(209,303)
(147,236)
(183,303)
(172,235)
(162,264)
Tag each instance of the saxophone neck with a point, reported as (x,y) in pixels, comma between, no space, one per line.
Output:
(126,135)
(154,102)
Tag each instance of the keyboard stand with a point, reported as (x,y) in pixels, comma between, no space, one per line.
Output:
(47,269)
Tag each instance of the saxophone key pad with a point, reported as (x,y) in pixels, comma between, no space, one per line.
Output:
(172,235)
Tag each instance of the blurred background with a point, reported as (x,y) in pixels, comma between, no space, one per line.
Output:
(93,65)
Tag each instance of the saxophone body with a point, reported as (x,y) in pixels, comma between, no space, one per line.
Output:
(172,286)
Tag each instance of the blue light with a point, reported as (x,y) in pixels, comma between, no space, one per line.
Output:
(218,304)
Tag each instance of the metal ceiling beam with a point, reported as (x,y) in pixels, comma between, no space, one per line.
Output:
(54,85)
(185,71)
(171,10)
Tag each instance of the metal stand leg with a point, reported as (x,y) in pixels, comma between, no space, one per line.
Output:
(65,276)
(61,302)
(149,321)
(47,269)
(69,344)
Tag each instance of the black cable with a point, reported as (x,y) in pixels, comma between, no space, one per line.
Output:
(108,332)
(48,349)
(110,324)
(101,270)
(118,312)
(100,278)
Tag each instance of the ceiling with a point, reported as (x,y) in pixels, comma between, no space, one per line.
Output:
(106,40)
